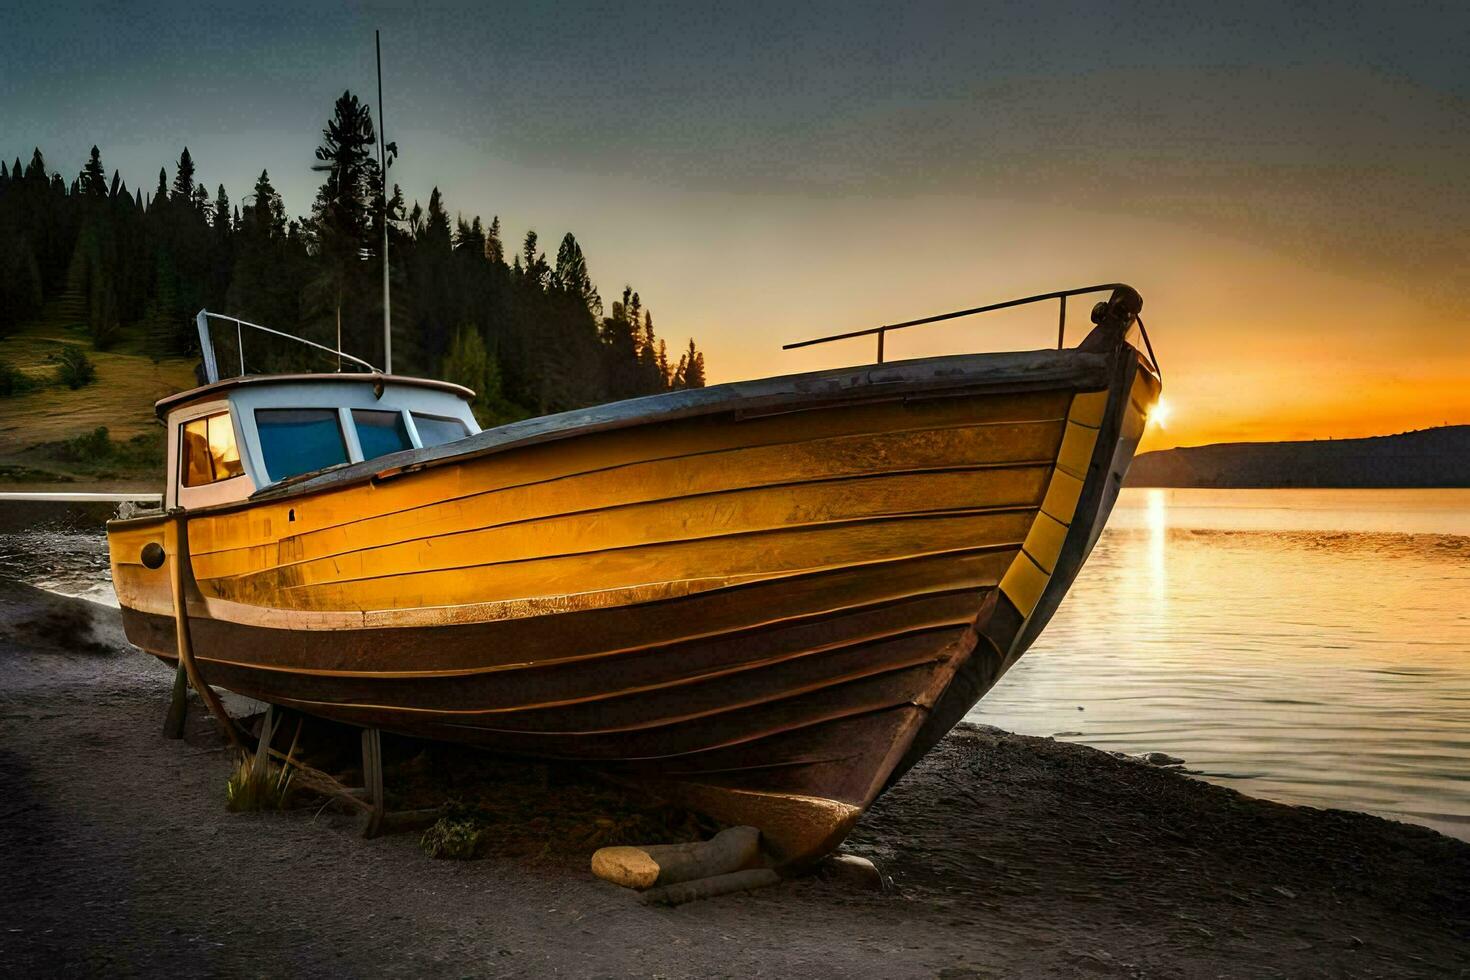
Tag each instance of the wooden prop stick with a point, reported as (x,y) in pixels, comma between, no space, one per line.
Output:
(372,777)
(180,535)
(178,705)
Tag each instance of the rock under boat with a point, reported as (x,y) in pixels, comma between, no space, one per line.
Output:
(764,600)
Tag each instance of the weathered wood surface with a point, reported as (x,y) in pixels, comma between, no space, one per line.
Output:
(732,849)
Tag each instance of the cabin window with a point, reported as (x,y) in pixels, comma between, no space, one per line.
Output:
(435,430)
(210,453)
(299,440)
(380,433)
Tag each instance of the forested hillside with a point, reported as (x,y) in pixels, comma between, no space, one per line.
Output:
(1438,457)
(115,263)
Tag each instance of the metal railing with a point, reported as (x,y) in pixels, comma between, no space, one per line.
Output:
(206,344)
(1060,296)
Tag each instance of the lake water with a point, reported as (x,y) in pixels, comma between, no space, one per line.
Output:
(1309,646)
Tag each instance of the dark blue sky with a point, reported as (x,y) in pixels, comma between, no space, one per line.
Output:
(751,95)
(938,154)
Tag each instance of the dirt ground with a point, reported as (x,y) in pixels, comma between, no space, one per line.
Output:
(1011,856)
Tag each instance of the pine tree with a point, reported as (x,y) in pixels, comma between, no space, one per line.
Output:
(436,224)
(430,272)
(345,156)
(620,347)
(93,179)
(572,276)
(221,220)
(693,364)
(649,378)
(341,222)
(37,168)
(266,211)
(494,250)
(534,268)
(183,189)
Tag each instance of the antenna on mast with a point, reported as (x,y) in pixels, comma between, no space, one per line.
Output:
(383,167)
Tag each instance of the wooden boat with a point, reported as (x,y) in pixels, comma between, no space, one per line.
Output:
(765,600)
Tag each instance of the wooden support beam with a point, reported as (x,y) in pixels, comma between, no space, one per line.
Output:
(178,705)
(267,735)
(372,777)
(179,574)
(732,849)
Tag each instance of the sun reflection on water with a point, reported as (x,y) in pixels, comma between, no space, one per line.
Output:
(1157,522)
(1309,646)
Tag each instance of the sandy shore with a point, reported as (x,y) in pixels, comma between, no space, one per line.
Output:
(1012,856)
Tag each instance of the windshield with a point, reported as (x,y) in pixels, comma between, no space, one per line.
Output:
(299,440)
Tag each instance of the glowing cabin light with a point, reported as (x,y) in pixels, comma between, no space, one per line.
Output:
(1159,413)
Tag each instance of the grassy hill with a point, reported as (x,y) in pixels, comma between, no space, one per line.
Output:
(1438,457)
(49,436)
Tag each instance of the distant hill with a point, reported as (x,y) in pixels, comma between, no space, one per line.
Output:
(1438,457)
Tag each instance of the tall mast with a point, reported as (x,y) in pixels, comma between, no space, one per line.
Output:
(383,168)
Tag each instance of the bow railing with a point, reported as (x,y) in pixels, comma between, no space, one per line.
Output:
(1061,296)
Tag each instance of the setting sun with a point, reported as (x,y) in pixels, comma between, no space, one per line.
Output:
(1159,413)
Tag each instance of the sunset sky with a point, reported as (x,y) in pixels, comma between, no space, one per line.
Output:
(1287,185)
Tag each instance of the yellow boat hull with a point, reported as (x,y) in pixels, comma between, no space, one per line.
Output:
(764,603)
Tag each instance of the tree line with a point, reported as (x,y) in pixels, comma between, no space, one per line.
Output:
(529,332)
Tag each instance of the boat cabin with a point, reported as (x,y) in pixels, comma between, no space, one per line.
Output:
(229,439)
(237,435)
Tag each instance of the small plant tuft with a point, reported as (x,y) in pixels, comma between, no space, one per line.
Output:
(257,783)
(455,838)
(74,368)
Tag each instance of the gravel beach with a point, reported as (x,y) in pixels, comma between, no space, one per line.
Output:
(1010,856)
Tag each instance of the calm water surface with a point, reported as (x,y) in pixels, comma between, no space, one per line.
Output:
(1307,646)
(1303,645)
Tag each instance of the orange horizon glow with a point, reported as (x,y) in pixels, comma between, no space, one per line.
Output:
(1256,344)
